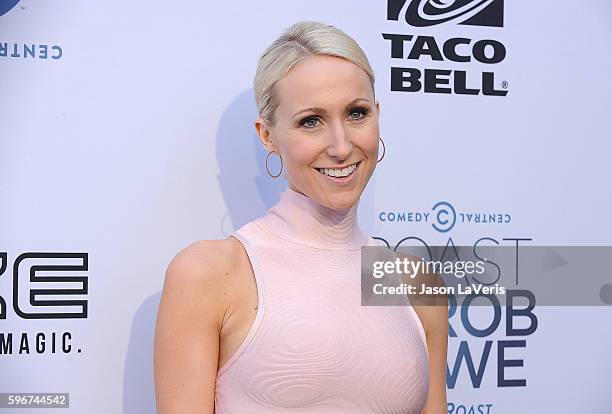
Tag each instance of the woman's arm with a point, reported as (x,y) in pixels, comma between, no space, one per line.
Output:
(435,323)
(189,320)
(433,313)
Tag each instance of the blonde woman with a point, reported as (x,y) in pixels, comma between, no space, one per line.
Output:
(269,320)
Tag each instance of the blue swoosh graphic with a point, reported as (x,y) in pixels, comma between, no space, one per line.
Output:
(6,5)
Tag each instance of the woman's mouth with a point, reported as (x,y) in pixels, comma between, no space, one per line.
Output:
(340,175)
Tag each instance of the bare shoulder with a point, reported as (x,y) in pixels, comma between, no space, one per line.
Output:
(189,319)
(201,261)
(199,273)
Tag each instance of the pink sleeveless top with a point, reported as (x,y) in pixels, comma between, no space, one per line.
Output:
(312,347)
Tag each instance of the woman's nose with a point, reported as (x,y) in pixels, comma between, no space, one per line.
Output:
(341,145)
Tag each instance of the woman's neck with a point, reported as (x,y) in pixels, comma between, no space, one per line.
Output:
(300,219)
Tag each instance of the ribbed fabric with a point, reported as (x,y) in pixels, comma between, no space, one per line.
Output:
(312,347)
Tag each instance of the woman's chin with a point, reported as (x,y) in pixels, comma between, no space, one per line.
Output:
(343,199)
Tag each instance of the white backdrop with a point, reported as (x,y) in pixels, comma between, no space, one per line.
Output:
(138,139)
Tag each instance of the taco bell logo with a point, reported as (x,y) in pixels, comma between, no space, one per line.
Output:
(461,76)
(7,5)
(422,13)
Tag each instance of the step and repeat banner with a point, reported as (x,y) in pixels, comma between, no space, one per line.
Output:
(126,134)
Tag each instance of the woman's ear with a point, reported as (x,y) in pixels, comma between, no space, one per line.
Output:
(263,131)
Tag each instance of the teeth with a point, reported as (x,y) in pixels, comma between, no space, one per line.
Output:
(335,172)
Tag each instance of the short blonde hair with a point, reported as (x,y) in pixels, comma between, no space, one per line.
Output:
(297,43)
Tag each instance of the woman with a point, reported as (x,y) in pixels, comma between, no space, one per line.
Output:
(269,320)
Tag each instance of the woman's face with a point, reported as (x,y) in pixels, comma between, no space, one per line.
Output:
(327,119)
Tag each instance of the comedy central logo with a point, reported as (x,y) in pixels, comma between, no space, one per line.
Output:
(26,48)
(422,13)
(7,5)
(443,216)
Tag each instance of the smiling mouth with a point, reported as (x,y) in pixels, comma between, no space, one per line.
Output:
(339,172)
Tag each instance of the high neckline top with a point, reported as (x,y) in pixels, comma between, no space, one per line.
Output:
(300,219)
(312,346)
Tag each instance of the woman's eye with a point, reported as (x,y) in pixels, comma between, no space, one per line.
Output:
(306,120)
(311,122)
(362,111)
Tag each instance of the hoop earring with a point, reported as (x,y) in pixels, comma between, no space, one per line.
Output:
(268,169)
(384,150)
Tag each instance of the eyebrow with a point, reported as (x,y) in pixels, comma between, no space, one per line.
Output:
(324,111)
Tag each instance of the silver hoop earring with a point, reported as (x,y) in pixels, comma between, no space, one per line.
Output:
(268,169)
(384,150)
